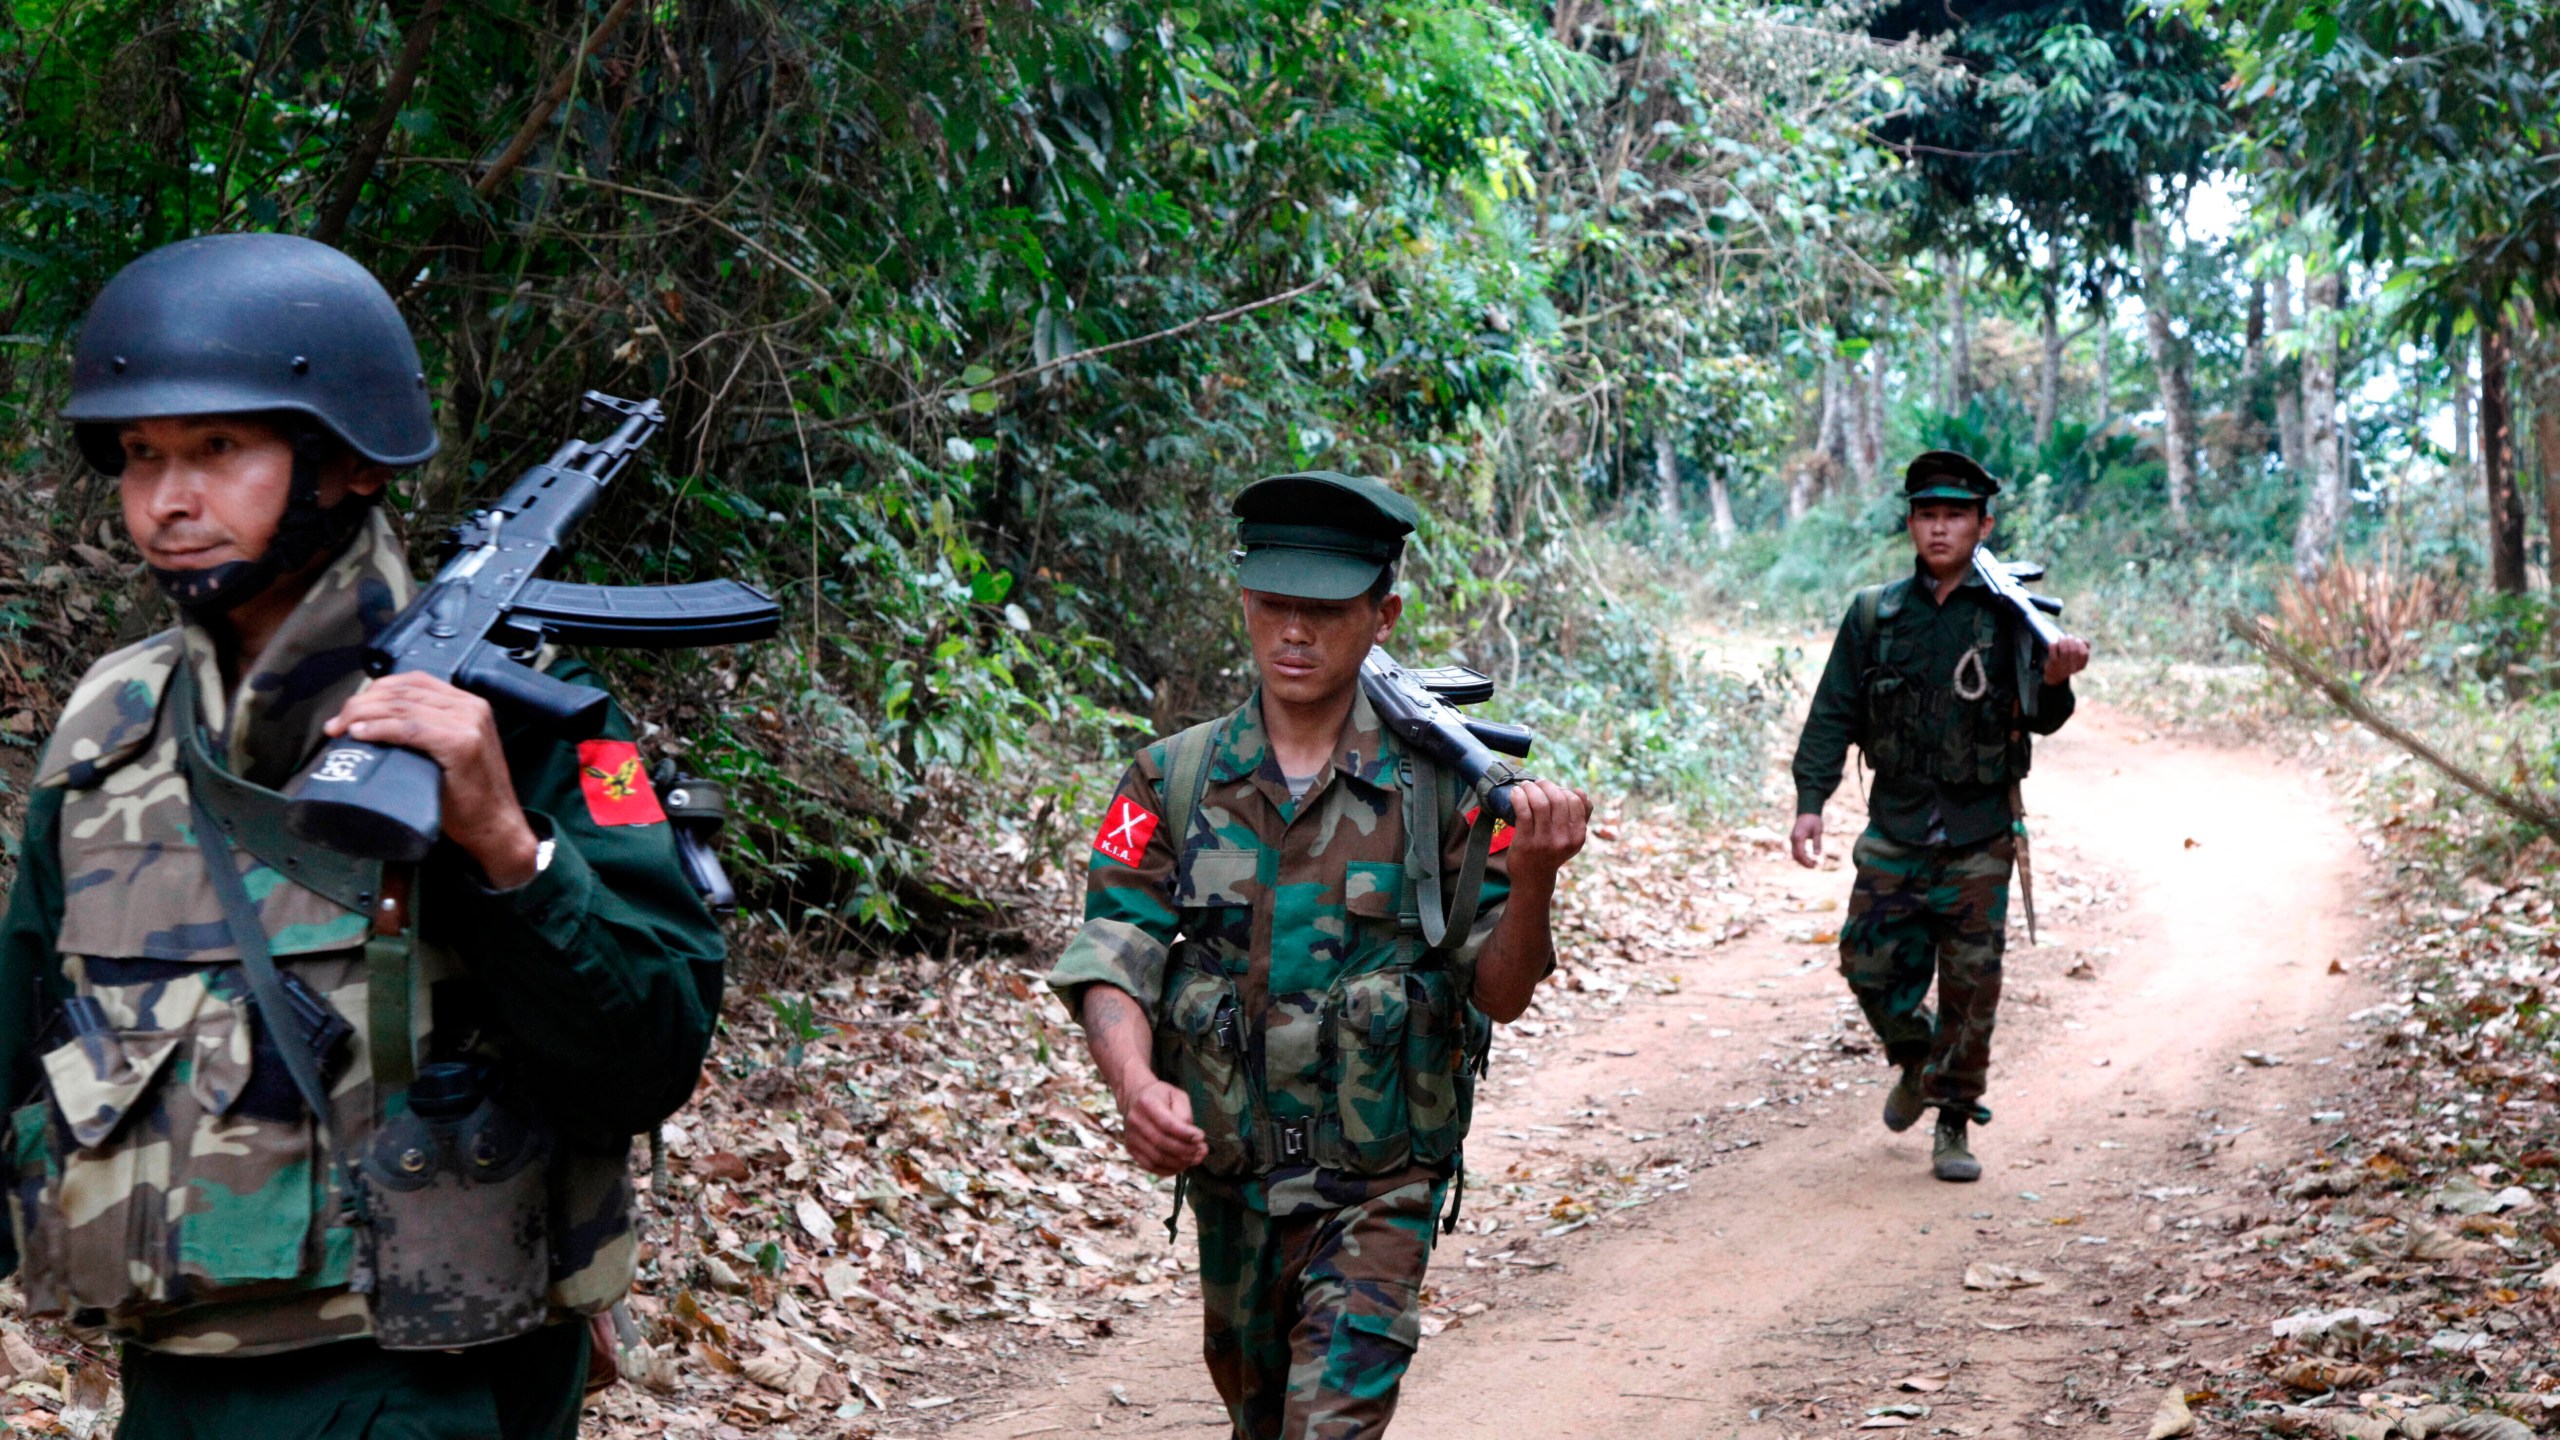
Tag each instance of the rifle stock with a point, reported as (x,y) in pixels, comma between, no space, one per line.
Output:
(1421,706)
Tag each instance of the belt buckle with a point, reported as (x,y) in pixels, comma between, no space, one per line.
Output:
(1293,1138)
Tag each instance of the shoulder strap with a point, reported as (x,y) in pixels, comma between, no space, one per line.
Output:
(252,816)
(1870,610)
(240,915)
(1186,777)
(1422,850)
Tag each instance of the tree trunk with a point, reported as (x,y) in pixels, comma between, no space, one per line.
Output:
(2288,384)
(1720,507)
(2048,363)
(2169,362)
(2545,389)
(1871,418)
(2462,405)
(1839,406)
(2325,501)
(1959,343)
(331,226)
(1800,485)
(2249,436)
(2253,340)
(2498,465)
(2106,374)
(1666,481)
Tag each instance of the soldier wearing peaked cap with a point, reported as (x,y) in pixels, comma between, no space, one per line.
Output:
(386,1203)
(1914,681)
(1255,986)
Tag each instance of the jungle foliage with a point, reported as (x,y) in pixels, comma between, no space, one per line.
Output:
(969,317)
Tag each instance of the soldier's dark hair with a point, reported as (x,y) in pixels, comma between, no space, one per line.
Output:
(1384,585)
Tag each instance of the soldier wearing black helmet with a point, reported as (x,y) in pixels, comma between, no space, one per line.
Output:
(252,396)
(1914,682)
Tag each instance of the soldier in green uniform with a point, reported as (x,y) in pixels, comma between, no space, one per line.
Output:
(483,1035)
(1289,1003)
(1914,681)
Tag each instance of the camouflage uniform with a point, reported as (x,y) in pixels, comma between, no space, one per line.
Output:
(1932,893)
(169,1187)
(1328,1057)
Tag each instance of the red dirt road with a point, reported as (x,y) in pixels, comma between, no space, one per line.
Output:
(1790,1285)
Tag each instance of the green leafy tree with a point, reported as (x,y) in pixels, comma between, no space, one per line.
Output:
(2423,132)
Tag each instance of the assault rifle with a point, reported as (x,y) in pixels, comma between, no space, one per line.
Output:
(2038,634)
(1421,706)
(483,617)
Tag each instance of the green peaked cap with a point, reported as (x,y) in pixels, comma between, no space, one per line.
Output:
(1319,534)
(1948,475)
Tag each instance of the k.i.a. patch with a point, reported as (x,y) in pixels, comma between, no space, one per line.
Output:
(617,792)
(1126,828)
(1501,831)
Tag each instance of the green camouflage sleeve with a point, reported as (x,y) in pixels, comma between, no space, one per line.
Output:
(605,968)
(27,965)
(1129,919)
(1831,723)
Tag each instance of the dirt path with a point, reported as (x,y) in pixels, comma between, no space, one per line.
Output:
(1803,1264)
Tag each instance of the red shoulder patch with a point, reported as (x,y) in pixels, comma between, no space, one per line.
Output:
(1501,831)
(617,791)
(1126,828)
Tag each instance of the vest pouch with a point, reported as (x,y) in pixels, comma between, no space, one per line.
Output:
(1200,1047)
(169,1190)
(1893,714)
(1439,1079)
(595,1252)
(35,1208)
(456,1196)
(1371,1018)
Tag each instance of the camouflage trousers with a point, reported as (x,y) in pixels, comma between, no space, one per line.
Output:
(1930,912)
(1312,1320)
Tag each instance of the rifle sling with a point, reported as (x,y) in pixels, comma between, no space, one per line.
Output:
(256,818)
(252,816)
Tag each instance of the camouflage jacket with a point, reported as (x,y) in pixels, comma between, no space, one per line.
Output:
(168,1185)
(1328,1058)
(1944,764)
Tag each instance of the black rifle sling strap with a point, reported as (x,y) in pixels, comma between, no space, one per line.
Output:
(239,912)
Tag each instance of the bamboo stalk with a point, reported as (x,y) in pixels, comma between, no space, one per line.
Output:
(2348,698)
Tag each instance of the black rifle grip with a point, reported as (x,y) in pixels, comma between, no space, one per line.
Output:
(572,712)
(375,802)
(1498,799)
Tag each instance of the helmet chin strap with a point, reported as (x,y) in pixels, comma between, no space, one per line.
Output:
(308,531)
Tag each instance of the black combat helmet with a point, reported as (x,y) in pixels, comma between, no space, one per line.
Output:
(271,325)
(238,324)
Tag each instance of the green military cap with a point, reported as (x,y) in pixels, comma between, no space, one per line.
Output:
(1319,534)
(1948,475)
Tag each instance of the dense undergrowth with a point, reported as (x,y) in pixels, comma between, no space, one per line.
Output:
(969,319)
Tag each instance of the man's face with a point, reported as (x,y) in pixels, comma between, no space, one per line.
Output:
(1946,532)
(1309,651)
(204,490)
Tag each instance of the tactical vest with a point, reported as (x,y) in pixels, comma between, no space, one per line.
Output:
(1960,728)
(170,1184)
(1383,1059)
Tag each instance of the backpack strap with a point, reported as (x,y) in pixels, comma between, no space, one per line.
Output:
(1871,613)
(1186,777)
